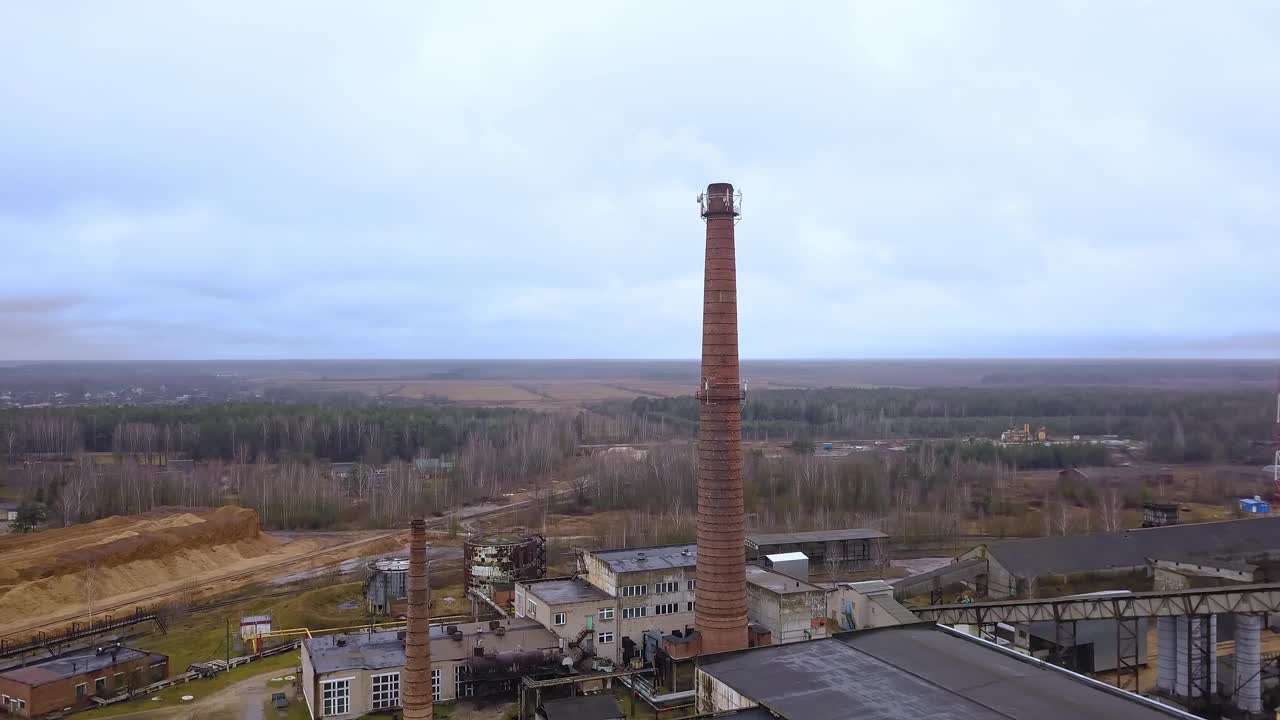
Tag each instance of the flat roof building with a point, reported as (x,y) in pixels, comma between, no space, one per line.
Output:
(905,673)
(71,681)
(352,675)
(616,597)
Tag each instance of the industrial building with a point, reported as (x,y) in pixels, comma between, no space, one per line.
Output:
(784,609)
(1014,565)
(352,675)
(1090,646)
(72,681)
(615,598)
(866,604)
(908,671)
(852,550)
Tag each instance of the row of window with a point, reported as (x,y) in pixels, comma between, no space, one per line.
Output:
(629,613)
(658,588)
(335,695)
(12,705)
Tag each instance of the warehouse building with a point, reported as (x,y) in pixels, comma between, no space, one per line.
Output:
(352,675)
(1013,566)
(908,671)
(852,550)
(72,681)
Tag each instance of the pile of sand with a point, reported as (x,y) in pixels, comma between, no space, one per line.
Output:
(120,555)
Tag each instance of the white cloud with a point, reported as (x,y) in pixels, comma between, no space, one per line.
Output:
(920,178)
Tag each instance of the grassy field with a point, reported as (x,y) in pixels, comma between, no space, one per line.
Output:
(285,663)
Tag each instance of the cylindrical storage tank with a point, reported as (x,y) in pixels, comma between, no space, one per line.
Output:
(1166,653)
(499,559)
(1213,654)
(388,583)
(1249,663)
(1183,623)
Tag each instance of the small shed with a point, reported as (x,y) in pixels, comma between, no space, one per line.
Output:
(1159,514)
(1255,505)
(795,564)
(253,625)
(583,707)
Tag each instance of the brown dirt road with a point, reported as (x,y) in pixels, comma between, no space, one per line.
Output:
(241,701)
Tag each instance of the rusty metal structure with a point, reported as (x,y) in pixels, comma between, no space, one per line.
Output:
(416,694)
(720,613)
(497,560)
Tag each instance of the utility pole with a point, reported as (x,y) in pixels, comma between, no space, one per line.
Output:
(228,641)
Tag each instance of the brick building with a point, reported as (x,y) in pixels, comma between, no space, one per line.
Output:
(72,681)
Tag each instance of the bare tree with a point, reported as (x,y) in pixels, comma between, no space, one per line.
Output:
(1111,509)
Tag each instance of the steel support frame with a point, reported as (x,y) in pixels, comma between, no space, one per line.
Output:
(1128,669)
(1199,653)
(1230,600)
(1064,640)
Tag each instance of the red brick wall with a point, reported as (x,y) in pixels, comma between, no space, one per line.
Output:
(55,696)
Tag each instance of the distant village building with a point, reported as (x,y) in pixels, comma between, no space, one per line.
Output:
(1024,435)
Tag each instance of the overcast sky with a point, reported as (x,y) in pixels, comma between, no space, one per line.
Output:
(482,179)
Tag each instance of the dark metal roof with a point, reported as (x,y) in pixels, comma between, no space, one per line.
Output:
(909,672)
(583,707)
(1130,548)
(74,664)
(385,649)
(557,591)
(761,540)
(649,558)
(954,567)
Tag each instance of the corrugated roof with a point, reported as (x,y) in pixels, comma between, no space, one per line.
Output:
(762,539)
(917,671)
(1130,548)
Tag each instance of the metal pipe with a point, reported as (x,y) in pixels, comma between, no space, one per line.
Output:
(720,611)
(416,695)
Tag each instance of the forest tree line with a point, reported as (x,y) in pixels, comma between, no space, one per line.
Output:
(1176,425)
(935,491)
(247,432)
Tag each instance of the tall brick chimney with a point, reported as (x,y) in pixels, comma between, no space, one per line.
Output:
(415,686)
(720,612)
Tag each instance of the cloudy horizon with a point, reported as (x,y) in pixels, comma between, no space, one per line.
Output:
(423,180)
